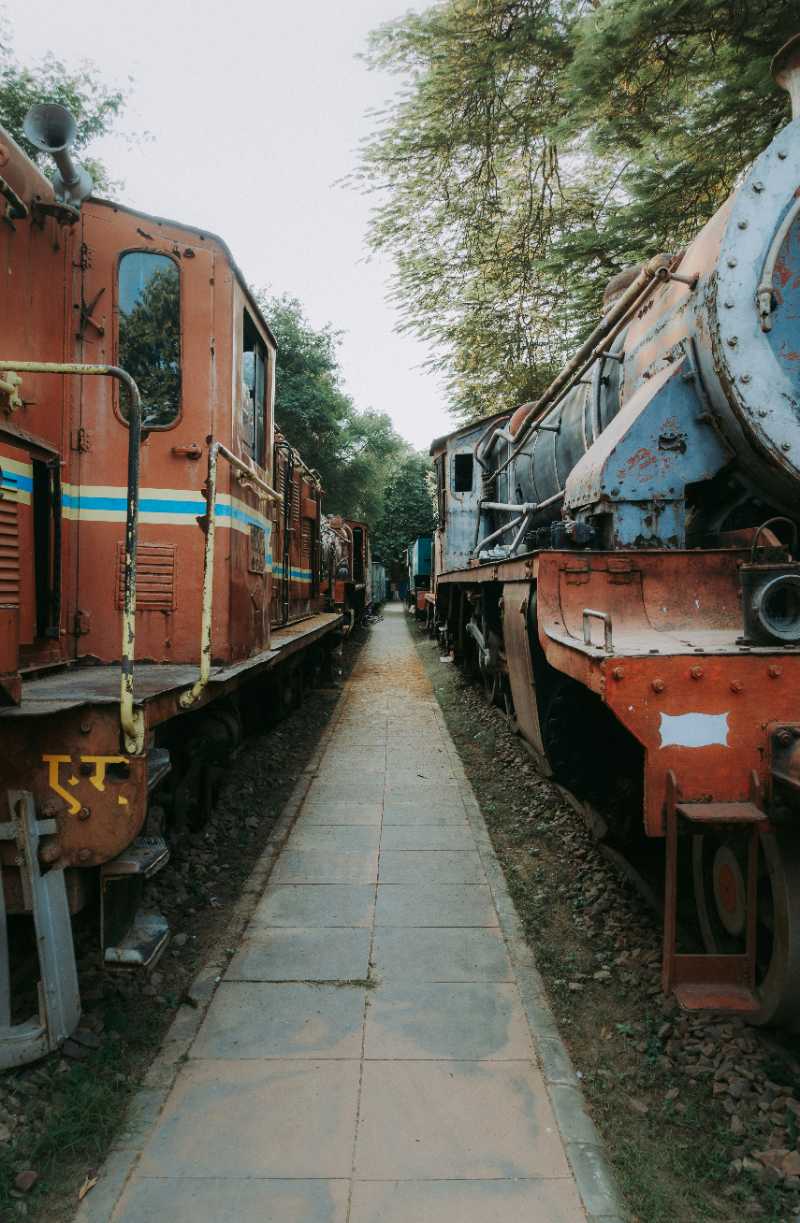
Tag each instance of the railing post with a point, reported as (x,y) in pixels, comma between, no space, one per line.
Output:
(190,696)
(131,719)
(265,492)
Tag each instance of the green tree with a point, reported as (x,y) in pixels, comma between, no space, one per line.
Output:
(353,451)
(81,89)
(407,510)
(537,147)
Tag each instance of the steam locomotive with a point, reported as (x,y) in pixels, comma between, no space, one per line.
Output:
(164,580)
(619,562)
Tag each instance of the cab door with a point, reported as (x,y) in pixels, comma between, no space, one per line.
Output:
(148,303)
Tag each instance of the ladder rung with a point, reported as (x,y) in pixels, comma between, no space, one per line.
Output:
(713,996)
(721,813)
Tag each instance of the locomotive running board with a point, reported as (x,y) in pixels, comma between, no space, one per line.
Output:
(46,895)
(710,982)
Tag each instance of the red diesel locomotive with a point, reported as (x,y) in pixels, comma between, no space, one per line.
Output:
(160,555)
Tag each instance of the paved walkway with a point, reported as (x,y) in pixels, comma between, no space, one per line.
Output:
(367,1057)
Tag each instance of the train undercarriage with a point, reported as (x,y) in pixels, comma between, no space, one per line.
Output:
(651,712)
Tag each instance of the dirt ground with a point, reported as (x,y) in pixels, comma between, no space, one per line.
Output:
(701,1116)
(58,1117)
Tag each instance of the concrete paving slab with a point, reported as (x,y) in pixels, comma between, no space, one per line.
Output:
(231,1200)
(443,1201)
(267,1119)
(319,866)
(360,761)
(254,1020)
(302,955)
(430,866)
(422,811)
(450,904)
(440,955)
(355,790)
(461,1021)
(342,812)
(339,838)
(456,1121)
(428,789)
(426,836)
(352,737)
(311,905)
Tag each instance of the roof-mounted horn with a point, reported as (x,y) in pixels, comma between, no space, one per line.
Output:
(52,129)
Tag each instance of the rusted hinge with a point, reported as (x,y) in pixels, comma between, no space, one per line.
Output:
(87,310)
(80,623)
(79,439)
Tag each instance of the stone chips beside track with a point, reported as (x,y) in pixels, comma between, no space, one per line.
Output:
(379,1049)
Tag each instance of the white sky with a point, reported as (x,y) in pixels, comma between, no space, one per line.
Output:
(255,110)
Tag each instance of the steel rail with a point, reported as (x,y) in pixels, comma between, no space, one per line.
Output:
(131,719)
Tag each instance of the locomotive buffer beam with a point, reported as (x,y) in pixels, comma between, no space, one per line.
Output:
(59,999)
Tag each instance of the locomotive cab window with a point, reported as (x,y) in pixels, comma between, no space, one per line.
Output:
(254,392)
(462,473)
(149,345)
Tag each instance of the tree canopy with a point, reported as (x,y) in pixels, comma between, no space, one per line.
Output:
(537,147)
(407,508)
(81,89)
(354,452)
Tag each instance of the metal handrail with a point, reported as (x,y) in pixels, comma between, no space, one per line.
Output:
(131,719)
(216,449)
(590,614)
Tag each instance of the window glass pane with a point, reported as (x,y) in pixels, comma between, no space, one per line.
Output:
(462,473)
(254,391)
(150,334)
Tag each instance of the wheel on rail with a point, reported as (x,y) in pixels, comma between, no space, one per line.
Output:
(719,867)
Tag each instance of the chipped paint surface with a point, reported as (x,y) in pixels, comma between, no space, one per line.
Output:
(694,730)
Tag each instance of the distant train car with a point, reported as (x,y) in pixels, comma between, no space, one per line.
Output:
(378,584)
(418,563)
(346,568)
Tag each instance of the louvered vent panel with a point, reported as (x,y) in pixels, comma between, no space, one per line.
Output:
(295,501)
(305,545)
(155,577)
(9,548)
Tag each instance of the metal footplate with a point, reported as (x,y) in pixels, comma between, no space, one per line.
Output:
(133,937)
(711,982)
(46,896)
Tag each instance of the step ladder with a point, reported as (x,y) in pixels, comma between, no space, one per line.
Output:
(132,937)
(46,896)
(710,982)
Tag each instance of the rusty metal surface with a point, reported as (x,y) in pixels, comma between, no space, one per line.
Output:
(82,685)
(520,667)
(521,569)
(721,813)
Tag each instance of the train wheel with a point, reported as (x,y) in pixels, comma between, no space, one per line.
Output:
(492,686)
(719,865)
(564,733)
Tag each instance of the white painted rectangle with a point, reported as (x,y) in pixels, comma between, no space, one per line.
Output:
(694,730)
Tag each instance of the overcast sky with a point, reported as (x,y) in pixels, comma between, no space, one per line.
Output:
(256,109)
